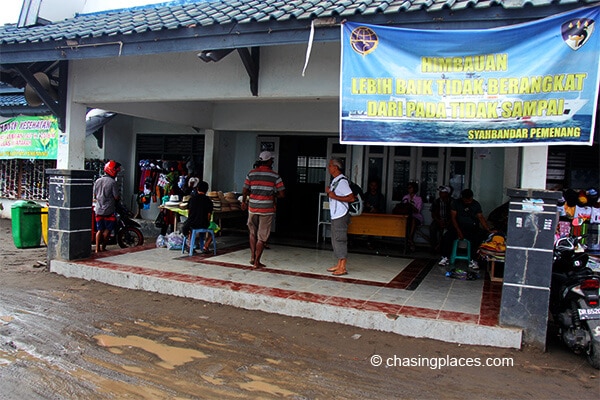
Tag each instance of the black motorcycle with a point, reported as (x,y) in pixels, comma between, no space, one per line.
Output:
(127,232)
(574,299)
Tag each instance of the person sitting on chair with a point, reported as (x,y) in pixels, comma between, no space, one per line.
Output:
(374,199)
(440,217)
(200,208)
(468,223)
(416,205)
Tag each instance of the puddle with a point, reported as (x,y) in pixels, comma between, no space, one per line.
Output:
(214,381)
(156,327)
(171,356)
(132,368)
(258,384)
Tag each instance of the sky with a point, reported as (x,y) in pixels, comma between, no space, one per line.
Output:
(12,8)
(10,11)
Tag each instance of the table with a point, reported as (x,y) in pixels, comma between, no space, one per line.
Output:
(218,216)
(491,267)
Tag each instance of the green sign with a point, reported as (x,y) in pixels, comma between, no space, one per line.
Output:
(29,138)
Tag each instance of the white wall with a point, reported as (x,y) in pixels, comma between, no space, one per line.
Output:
(184,77)
(182,88)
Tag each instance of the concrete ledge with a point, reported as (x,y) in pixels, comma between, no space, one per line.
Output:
(447,331)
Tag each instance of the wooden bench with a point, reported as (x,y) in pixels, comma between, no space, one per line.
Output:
(388,225)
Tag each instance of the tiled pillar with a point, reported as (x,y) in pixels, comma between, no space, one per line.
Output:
(532,221)
(70,214)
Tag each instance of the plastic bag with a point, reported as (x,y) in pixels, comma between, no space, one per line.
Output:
(463,275)
(214,227)
(160,241)
(174,241)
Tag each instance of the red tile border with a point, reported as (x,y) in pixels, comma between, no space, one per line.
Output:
(385,308)
(489,310)
(419,312)
(403,280)
(344,302)
(458,317)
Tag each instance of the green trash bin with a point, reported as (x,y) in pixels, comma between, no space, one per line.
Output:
(26,224)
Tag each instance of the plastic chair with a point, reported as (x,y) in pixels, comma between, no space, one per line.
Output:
(464,245)
(200,234)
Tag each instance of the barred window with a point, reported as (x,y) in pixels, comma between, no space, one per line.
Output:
(25,179)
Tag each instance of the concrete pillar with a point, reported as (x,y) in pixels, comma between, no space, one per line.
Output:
(70,214)
(209,151)
(71,189)
(532,222)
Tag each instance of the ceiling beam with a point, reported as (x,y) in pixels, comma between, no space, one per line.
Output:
(56,107)
(251,61)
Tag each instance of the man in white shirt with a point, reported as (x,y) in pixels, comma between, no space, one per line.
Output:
(340,197)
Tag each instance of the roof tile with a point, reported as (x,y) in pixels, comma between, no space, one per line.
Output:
(214,12)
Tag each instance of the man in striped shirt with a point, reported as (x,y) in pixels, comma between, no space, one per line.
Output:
(262,186)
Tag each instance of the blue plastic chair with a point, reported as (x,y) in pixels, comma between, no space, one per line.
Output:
(465,254)
(200,233)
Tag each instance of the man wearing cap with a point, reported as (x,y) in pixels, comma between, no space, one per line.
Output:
(261,187)
(440,213)
(468,223)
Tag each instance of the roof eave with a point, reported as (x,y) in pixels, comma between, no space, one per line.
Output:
(258,34)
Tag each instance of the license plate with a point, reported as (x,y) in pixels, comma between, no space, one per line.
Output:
(589,313)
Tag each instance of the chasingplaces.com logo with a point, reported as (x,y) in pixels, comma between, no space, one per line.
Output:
(439,362)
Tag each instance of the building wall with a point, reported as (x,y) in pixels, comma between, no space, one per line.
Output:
(181,90)
(180,87)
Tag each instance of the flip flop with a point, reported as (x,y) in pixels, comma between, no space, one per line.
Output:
(340,273)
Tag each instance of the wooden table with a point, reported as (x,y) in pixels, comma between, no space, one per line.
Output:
(218,216)
(388,225)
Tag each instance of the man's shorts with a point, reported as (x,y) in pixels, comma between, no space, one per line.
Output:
(260,225)
(105,222)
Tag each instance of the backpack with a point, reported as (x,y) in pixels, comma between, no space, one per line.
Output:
(356,207)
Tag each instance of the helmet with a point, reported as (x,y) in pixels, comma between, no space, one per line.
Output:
(112,168)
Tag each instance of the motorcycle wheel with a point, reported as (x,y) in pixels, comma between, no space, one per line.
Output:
(130,237)
(594,355)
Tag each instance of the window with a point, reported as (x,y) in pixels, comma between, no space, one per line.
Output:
(25,179)
(311,169)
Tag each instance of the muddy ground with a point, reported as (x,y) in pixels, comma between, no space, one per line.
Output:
(73,339)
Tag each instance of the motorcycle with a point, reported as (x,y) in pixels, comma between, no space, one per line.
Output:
(574,299)
(127,232)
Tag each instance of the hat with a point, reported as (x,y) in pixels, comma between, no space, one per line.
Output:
(193,182)
(173,201)
(265,156)
(444,189)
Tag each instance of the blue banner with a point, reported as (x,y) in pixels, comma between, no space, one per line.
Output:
(528,84)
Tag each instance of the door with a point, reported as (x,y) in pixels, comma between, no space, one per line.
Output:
(303,168)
